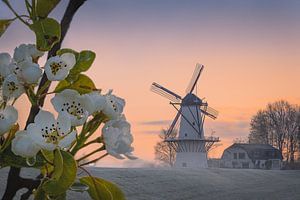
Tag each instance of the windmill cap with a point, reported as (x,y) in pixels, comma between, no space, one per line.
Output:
(191,99)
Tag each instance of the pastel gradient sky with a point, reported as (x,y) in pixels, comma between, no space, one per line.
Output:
(250,50)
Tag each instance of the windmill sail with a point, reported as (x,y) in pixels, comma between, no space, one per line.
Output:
(173,123)
(155,87)
(195,78)
(209,111)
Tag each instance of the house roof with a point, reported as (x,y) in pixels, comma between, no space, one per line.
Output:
(258,151)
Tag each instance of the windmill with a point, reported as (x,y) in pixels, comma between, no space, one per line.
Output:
(190,144)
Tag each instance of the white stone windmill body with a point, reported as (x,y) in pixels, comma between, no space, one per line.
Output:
(190,144)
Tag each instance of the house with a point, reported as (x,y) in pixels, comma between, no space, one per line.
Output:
(253,156)
(213,163)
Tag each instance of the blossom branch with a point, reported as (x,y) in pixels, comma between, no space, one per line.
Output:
(14,182)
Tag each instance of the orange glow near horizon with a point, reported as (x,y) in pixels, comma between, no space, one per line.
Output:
(250,60)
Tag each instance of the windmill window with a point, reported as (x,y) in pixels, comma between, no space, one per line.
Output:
(185,134)
(193,123)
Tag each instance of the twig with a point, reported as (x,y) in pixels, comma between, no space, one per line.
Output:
(16,14)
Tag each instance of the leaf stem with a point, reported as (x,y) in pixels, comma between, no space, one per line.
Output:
(95,160)
(91,142)
(93,152)
(43,88)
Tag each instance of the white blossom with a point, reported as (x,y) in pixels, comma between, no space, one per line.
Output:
(77,107)
(49,133)
(27,52)
(8,117)
(118,139)
(5,60)
(23,145)
(114,106)
(98,101)
(12,88)
(29,72)
(57,68)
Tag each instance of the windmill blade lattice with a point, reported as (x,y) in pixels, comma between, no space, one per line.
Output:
(209,111)
(155,87)
(174,123)
(197,72)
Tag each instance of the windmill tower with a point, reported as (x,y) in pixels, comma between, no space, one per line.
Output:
(190,144)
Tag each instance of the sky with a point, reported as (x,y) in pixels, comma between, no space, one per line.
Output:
(250,50)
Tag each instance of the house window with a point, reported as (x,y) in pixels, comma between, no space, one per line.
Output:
(184,164)
(234,155)
(185,134)
(242,155)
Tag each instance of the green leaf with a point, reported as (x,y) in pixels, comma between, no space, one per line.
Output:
(100,189)
(83,85)
(47,32)
(39,194)
(8,158)
(66,50)
(44,7)
(49,155)
(84,61)
(10,136)
(4,23)
(57,187)
(58,165)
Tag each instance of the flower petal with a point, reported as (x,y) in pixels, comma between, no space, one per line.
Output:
(45,119)
(21,53)
(4,126)
(10,113)
(69,59)
(23,145)
(114,106)
(67,140)
(30,72)
(12,87)
(63,123)
(95,103)
(34,131)
(4,59)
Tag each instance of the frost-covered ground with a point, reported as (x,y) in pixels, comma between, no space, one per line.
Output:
(177,184)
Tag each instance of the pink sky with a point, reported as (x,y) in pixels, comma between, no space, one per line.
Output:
(250,51)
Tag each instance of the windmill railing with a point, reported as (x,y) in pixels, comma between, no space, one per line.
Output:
(206,139)
(192,145)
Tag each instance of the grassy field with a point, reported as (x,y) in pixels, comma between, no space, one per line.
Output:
(206,184)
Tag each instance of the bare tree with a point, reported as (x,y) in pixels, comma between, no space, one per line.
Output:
(278,125)
(293,134)
(164,152)
(259,129)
